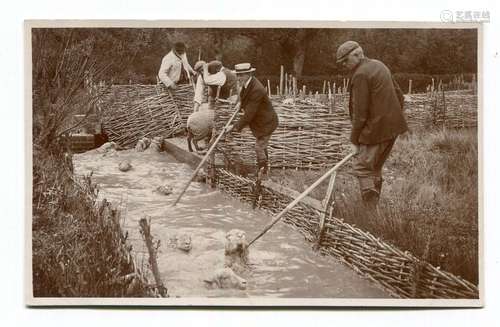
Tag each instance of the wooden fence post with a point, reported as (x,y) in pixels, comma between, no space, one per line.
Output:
(146,232)
(281,79)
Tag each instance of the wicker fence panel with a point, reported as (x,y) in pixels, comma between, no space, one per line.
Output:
(148,111)
(118,98)
(401,273)
(308,136)
(450,110)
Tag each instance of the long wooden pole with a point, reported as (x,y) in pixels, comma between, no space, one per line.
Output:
(207,155)
(301,196)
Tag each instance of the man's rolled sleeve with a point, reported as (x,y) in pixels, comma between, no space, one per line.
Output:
(361,101)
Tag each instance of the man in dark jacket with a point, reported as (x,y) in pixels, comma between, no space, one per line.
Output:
(376,111)
(259,113)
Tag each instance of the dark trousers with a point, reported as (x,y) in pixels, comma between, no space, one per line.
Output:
(367,167)
(261,149)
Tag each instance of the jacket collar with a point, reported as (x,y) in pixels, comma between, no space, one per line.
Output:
(247,86)
(361,62)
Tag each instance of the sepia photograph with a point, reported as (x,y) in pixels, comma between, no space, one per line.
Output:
(253,163)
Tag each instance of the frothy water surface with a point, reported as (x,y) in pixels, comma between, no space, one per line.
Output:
(282,263)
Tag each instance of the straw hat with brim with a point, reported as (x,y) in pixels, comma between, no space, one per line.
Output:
(243,68)
(345,49)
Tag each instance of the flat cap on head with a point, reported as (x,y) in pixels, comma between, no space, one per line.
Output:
(180,47)
(345,49)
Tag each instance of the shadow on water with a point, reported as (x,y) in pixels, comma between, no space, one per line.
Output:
(282,263)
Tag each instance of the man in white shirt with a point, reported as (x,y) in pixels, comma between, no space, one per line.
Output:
(175,68)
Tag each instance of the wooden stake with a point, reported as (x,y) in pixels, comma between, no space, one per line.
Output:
(294,86)
(324,87)
(146,231)
(327,204)
(409,87)
(282,70)
(301,196)
(269,87)
(286,84)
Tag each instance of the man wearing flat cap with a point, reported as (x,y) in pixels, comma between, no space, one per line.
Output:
(175,68)
(376,112)
(259,113)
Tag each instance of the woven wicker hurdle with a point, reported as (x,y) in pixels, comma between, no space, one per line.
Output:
(442,109)
(400,273)
(308,136)
(131,112)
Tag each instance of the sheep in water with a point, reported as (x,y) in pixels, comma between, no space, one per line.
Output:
(108,146)
(236,259)
(236,250)
(225,278)
(156,144)
(181,241)
(199,126)
(142,144)
(164,189)
(125,165)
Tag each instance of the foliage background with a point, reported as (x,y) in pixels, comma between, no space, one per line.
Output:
(309,54)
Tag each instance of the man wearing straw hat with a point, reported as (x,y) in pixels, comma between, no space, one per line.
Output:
(175,68)
(259,113)
(376,111)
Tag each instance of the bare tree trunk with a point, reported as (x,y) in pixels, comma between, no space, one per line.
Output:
(302,40)
(219,45)
(298,61)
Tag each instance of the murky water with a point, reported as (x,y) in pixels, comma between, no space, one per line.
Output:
(282,262)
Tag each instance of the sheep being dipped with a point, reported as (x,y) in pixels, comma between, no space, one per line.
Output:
(225,278)
(236,250)
(142,144)
(199,127)
(156,144)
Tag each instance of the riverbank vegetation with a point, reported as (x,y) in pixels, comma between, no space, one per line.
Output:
(78,247)
(429,201)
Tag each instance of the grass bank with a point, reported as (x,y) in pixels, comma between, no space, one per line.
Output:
(78,247)
(429,201)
